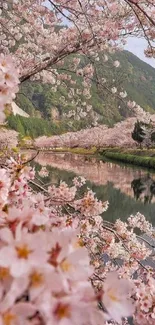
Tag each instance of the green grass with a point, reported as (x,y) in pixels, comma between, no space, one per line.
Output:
(138,152)
(136,159)
(83,151)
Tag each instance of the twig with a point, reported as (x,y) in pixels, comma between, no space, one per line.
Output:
(28,161)
(146,241)
(39,186)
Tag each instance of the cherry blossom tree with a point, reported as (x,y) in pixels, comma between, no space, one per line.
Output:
(53,241)
(99,137)
(44,36)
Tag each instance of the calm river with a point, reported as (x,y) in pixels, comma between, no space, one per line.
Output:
(128,189)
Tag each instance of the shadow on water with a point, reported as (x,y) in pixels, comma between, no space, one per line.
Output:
(128,189)
(144,188)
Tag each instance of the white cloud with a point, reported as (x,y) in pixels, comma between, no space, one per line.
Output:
(137,47)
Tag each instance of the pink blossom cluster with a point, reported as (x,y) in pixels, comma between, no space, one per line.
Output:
(8,83)
(145,300)
(44,264)
(79,181)
(89,205)
(43,172)
(62,193)
(119,242)
(98,136)
(139,112)
(139,221)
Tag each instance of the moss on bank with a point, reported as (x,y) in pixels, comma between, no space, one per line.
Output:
(80,151)
(137,152)
(145,160)
(83,151)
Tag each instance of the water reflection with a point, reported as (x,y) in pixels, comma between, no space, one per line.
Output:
(128,189)
(144,188)
(131,181)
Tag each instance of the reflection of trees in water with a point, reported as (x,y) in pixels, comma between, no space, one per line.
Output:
(121,203)
(144,188)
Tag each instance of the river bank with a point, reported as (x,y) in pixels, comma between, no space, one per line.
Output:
(79,151)
(139,157)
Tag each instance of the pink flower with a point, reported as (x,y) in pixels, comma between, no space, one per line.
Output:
(89,205)
(43,172)
(9,81)
(23,252)
(146,304)
(17,314)
(114,90)
(123,94)
(79,181)
(116,64)
(75,308)
(67,256)
(5,63)
(116,297)
(43,278)
(5,95)
(62,193)
(131,105)
(4,186)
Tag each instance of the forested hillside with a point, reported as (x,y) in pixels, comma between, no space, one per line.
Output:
(42,101)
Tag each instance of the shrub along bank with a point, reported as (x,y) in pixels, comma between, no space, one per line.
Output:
(145,160)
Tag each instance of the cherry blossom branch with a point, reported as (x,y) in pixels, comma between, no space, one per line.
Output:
(120,239)
(39,187)
(141,24)
(135,3)
(146,241)
(30,160)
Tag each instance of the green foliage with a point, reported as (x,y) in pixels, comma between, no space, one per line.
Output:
(33,127)
(138,133)
(26,104)
(148,162)
(153,137)
(83,151)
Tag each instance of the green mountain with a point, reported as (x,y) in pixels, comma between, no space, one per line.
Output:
(140,80)
(40,101)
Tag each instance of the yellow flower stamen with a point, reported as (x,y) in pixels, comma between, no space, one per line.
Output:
(36,279)
(113,296)
(65,266)
(23,252)
(8,318)
(4,273)
(62,311)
